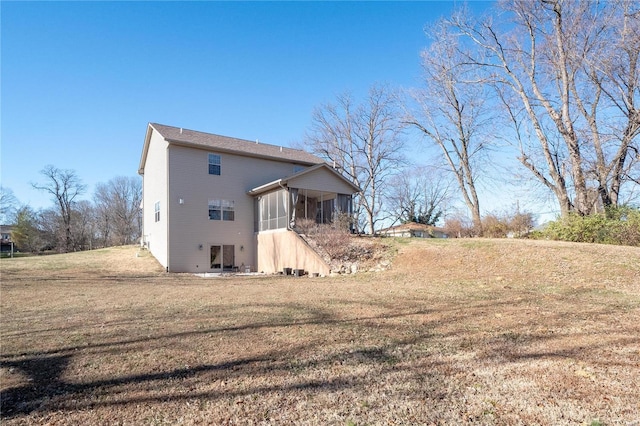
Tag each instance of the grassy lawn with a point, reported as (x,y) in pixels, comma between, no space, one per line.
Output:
(456,332)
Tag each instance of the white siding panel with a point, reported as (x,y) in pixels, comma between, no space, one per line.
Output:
(154,187)
(321,180)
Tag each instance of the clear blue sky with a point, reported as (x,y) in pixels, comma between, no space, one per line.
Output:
(81,80)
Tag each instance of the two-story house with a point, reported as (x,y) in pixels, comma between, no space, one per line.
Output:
(213,203)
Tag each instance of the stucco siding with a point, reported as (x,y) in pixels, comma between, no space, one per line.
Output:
(285,249)
(321,180)
(154,189)
(191,187)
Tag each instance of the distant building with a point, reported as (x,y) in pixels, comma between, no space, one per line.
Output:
(6,241)
(415,230)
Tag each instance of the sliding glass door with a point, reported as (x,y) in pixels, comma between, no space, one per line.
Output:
(222,257)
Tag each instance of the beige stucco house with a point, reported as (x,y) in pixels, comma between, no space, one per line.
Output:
(412,229)
(213,203)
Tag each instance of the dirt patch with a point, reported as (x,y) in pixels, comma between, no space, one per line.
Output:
(455,332)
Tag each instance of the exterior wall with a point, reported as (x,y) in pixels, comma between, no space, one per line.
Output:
(154,188)
(321,180)
(285,249)
(190,226)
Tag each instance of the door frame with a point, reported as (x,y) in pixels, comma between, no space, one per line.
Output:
(225,263)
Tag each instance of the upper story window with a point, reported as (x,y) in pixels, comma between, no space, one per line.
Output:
(221,210)
(156,210)
(214,164)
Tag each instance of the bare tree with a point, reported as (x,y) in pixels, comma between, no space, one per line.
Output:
(613,71)
(419,196)
(118,210)
(451,113)
(84,226)
(365,142)
(64,186)
(103,214)
(8,204)
(561,70)
(51,228)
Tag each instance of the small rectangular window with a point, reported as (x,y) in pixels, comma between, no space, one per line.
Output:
(156,210)
(214,164)
(228,210)
(215,210)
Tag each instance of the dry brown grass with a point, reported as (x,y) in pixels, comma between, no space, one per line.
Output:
(456,332)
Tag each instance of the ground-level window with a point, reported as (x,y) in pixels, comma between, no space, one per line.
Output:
(214,164)
(222,257)
(221,209)
(156,210)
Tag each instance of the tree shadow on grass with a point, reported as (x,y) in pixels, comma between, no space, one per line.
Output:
(44,382)
(47,391)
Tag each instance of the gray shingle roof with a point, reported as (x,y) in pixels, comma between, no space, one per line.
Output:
(233,145)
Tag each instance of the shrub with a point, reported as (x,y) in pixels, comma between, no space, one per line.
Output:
(619,225)
(334,238)
(459,227)
(494,227)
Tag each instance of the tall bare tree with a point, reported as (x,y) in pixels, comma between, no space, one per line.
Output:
(614,72)
(451,113)
(419,195)
(117,204)
(64,186)
(84,226)
(562,69)
(365,142)
(8,205)
(51,229)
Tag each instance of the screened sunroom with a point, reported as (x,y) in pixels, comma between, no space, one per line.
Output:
(318,193)
(283,207)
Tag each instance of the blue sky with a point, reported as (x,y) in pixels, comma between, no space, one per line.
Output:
(81,80)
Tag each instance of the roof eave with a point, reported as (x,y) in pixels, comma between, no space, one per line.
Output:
(145,149)
(266,187)
(236,152)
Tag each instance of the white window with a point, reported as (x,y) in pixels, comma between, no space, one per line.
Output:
(228,210)
(215,210)
(221,210)
(214,164)
(156,209)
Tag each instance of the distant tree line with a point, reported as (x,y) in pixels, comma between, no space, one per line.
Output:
(112,217)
